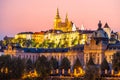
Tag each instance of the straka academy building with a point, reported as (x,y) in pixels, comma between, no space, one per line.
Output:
(99,44)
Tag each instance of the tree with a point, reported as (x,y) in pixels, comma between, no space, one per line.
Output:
(90,62)
(17,67)
(45,43)
(116,61)
(77,64)
(104,65)
(5,63)
(75,42)
(66,43)
(43,67)
(27,43)
(65,64)
(51,44)
(53,63)
(11,67)
(29,65)
(91,71)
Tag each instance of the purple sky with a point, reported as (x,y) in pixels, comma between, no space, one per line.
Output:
(36,15)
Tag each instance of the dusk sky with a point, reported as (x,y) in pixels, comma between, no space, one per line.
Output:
(37,15)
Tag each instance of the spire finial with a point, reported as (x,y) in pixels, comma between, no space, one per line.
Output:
(57,14)
(66,15)
(99,24)
(66,19)
(57,11)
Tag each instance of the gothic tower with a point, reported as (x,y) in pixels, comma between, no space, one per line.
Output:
(57,19)
(63,26)
(66,19)
(107,30)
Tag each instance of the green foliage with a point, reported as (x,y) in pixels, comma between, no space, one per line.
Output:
(75,42)
(91,72)
(116,61)
(29,65)
(43,66)
(17,67)
(105,65)
(47,43)
(51,45)
(26,43)
(65,63)
(77,64)
(12,67)
(90,62)
(53,63)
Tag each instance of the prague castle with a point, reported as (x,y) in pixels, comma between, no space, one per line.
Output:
(65,40)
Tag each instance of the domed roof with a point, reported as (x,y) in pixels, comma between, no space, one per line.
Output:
(100,33)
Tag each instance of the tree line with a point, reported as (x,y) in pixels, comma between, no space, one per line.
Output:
(15,67)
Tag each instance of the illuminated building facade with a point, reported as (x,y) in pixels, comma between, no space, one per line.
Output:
(100,47)
(24,35)
(10,51)
(107,30)
(72,56)
(38,37)
(96,51)
(63,26)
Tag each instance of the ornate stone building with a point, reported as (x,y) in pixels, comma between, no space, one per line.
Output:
(10,51)
(63,26)
(100,47)
(97,46)
(107,29)
(72,56)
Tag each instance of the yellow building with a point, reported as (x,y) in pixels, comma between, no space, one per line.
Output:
(38,37)
(63,26)
(10,51)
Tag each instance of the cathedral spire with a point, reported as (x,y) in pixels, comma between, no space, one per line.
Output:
(57,14)
(66,19)
(57,11)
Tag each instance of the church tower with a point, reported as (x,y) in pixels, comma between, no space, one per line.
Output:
(107,30)
(66,19)
(57,19)
(63,26)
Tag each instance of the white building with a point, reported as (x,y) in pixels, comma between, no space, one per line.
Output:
(24,35)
